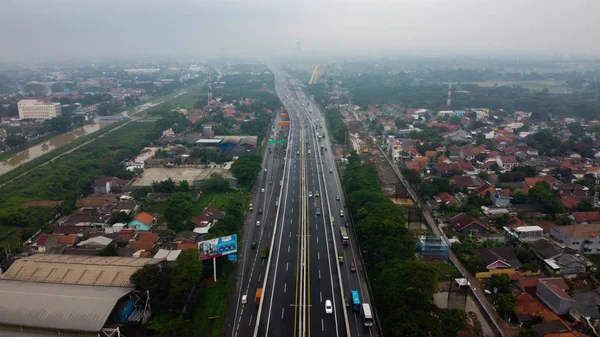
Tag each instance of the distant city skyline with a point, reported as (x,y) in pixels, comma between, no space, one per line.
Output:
(40,30)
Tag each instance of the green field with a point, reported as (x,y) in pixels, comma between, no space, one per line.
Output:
(553,86)
(185,101)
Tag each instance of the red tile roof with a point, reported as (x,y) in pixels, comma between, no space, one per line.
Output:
(147,237)
(187,245)
(446,198)
(142,245)
(528,305)
(464,220)
(586,216)
(145,218)
(42,239)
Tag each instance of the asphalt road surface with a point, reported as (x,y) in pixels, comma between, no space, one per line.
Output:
(302,235)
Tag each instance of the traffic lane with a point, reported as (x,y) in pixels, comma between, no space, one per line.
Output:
(326,260)
(280,311)
(249,258)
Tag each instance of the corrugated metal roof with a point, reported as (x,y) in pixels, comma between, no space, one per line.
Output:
(112,271)
(57,306)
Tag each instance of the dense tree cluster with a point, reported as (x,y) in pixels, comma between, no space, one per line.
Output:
(402,285)
(336,125)
(171,291)
(246,168)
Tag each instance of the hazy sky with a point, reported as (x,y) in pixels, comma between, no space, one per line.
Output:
(37,30)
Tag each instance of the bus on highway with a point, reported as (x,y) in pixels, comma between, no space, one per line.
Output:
(344,234)
(355,301)
(367,315)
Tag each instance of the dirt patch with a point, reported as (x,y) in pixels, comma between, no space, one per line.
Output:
(472,326)
(389,181)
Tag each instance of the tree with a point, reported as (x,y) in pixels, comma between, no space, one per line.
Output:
(140,192)
(585,205)
(165,186)
(167,326)
(500,284)
(179,207)
(184,186)
(153,279)
(187,275)
(401,123)
(108,250)
(452,321)
(119,217)
(246,168)
(542,196)
(505,304)
(218,183)
(60,124)
(14,140)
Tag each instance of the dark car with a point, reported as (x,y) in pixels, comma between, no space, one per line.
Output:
(260,211)
(352,267)
(253,245)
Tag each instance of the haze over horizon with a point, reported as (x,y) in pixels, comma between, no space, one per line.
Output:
(39,30)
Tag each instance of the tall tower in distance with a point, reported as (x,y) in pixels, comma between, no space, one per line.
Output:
(449,101)
(209,84)
(299,47)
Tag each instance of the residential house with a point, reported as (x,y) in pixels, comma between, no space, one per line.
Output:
(467,225)
(107,184)
(567,264)
(144,241)
(553,292)
(45,242)
(525,233)
(586,308)
(98,242)
(500,200)
(585,218)
(555,328)
(529,307)
(497,260)
(142,222)
(467,182)
(507,162)
(580,238)
(432,247)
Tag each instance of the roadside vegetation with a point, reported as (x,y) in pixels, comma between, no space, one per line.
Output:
(402,286)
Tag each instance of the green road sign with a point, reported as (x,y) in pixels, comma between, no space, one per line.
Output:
(272,141)
(276,141)
(280,141)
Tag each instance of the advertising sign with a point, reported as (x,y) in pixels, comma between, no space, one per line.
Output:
(211,249)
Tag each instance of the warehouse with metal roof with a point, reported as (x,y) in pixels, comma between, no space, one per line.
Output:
(109,271)
(57,307)
(49,295)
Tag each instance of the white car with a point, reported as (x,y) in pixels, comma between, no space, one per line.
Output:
(341,213)
(265,170)
(258,224)
(310,194)
(328,307)
(262,190)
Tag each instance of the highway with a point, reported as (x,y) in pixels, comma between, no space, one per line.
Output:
(302,270)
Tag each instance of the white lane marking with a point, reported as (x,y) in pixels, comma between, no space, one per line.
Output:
(287,265)
(259,277)
(321,296)
(284,288)
(288,249)
(282,309)
(250,321)
(318,255)
(290,234)
(317,239)
(322,325)
(319,274)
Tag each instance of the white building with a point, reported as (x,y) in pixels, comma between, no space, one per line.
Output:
(34,109)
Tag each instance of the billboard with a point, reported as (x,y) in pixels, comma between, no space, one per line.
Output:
(211,249)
